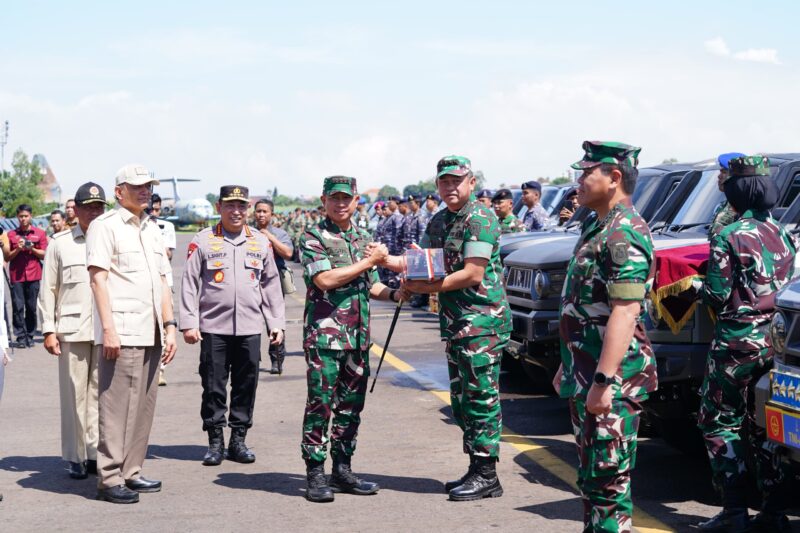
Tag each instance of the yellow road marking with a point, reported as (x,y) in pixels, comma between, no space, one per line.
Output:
(537,453)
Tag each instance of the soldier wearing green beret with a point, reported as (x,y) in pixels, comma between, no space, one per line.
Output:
(608,367)
(474,318)
(340,279)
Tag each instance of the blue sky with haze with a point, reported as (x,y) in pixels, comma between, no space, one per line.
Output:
(275,94)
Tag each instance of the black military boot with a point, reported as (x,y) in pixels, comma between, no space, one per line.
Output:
(772,517)
(344,480)
(317,488)
(237,449)
(450,485)
(216,447)
(483,482)
(733,518)
(275,369)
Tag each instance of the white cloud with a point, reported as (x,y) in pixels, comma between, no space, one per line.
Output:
(759,55)
(719,47)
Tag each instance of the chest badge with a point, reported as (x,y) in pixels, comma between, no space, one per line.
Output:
(254,262)
(218,263)
(219,276)
(252,275)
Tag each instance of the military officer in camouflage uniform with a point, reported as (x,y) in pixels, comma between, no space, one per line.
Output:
(724,214)
(503,203)
(339,283)
(230,287)
(535,218)
(607,363)
(750,260)
(474,318)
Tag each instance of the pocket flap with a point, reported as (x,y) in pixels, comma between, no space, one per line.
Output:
(69,309)
(127,305)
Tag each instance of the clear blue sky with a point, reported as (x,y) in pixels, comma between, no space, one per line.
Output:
(276,94)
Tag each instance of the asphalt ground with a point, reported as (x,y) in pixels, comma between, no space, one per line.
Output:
(407,443)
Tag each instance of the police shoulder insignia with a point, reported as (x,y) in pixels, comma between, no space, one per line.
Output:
(619,251)
(192,247)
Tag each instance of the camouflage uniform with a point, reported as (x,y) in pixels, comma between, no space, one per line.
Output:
(511,224)
(536,219)
(475,323)
(613,260)
(336,341)
(750,260)
(724,214)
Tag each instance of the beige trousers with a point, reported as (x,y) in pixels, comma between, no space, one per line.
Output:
(128,389)
(77,380)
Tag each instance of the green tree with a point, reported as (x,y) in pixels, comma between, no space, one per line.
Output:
(212,198)
(21,185)
(387,191)
(423,187)
(480,180)
(561,180)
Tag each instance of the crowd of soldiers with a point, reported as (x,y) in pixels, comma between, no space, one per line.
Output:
(108,307)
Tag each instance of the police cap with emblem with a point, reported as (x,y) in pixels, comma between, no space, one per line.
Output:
(90,193)
(533,184)
(343,184)
(230,193)
(502,194)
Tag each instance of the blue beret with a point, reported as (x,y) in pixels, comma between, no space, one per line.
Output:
(724,159)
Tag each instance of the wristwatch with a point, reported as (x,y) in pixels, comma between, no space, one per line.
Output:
(171,323)
(601,380)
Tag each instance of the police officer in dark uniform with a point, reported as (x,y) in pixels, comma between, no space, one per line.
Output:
(231,285)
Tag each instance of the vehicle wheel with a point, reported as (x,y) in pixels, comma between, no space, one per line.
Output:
(680,433)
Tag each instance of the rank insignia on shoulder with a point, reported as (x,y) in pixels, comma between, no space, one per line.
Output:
(192,247)
(219,275)
(619,252)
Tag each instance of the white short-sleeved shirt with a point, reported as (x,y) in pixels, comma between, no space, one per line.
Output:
(132,250)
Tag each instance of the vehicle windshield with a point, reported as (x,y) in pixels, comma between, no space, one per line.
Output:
(646,187)
(698,209)
(549,196)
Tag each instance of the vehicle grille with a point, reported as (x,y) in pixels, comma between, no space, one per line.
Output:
(521,283)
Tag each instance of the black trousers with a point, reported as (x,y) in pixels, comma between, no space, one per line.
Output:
(221,356)
(23,305)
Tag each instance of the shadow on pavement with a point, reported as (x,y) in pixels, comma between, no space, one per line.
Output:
(295,484)
(180,452)
(49,474)
(555,510)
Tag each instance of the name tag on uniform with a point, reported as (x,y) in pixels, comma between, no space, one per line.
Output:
(216,255)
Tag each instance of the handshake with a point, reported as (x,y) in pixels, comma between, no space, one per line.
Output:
(377,253)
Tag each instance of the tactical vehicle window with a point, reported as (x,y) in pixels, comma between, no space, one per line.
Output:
(646,188)
(699,206)
(549,196)
(794,189)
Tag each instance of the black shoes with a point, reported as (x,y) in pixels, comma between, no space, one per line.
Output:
(141,484)
(482,483)
(118,494)
(343,479)
(275,368)
(450,485)
(237,449)
(77,471)
(216,447)
(733,520)
(770,523)
(91,466)
(317,489)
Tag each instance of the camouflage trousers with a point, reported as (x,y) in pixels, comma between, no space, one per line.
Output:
(473,364)
(606,456)
(337,382)
(727,411)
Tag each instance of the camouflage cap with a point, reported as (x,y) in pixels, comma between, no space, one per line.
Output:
(751,165)
(343,184)
(455,165)
(230,193)
(599,152)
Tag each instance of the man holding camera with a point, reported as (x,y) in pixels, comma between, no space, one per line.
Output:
(27,245)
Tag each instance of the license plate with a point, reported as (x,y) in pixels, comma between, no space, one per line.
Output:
(784,389)
(783,426)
